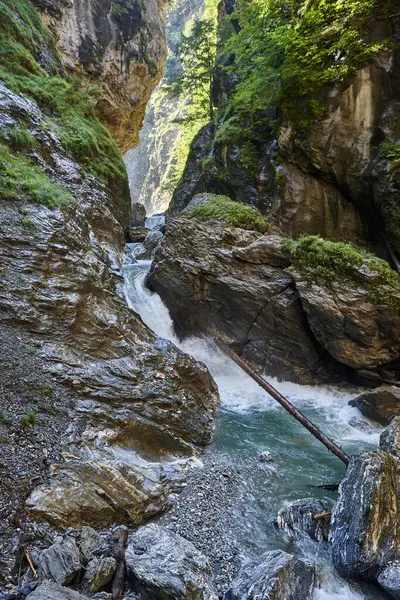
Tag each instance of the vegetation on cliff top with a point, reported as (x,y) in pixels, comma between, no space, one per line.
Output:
(285,52)
(339,260)
(29,65)
(236,214)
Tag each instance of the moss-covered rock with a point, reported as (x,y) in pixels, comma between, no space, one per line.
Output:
(224,209)
(352,301)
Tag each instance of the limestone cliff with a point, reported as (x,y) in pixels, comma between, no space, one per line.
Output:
(118,45)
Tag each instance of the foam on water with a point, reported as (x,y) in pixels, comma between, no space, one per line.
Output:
(240,395)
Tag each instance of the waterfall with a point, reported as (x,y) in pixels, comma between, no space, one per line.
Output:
(251,422)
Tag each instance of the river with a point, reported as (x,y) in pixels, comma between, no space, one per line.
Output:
(251,422)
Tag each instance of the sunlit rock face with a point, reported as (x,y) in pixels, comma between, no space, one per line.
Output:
(118,45)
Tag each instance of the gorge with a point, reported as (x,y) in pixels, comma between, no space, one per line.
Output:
(137,460)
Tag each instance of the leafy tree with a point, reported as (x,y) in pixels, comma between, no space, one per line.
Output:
(287,50)
(197,60)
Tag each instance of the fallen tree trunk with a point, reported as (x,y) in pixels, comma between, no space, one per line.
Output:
(298,415)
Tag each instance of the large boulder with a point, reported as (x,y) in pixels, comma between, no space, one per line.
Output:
(389,580)
(380,405)
(365,526)
(60,562)
(218,279)
(138,215)
(297,518)
(274,575)
(48,590)
(161,564)
(351,299)
(390,438)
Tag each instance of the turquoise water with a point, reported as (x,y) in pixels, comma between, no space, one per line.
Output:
(251,422)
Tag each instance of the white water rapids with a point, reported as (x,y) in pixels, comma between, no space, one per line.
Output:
(252,421)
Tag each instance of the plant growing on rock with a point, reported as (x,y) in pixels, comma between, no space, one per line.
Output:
(285,52)
(233,213)
(30,418)
(339,260)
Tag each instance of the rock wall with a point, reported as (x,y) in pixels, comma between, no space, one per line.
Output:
(62,236)
(118,45)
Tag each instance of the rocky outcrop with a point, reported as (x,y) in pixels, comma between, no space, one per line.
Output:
(215,278)
(380,405)
(297,518)
(365,522)
(62,233)
(60,562)
(274,575)
(118,45)
(161,564)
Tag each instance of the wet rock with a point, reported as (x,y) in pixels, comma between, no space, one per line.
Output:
(389,580)
(380,405)
(274,575)
(138,234)
(138,215)
(60,562)
(266,456)
(152,240)
(163,564)
(90,542)
(98,573)
(390,438)
(48,590)
(216,278)
(298,518)
(365,526)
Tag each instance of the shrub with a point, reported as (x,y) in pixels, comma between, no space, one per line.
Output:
(30,418)
(236,214)
(391,151)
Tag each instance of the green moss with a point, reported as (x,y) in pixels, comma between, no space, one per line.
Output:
(391,152)
(342,261)
(67,102)
(19,139)
(20,178)
(233,213)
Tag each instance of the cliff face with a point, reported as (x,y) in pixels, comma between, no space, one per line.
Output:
(65,206)
(338,178)
(152,166)
(334,179)
(118,45)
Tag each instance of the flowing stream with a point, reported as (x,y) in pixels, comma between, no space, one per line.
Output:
(251,422)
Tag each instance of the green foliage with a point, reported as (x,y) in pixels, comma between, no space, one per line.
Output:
(30,418)
(19,178)
(250,156)
(28,223)
(5,418)
(66,101)
(391,151)
(197,60)
(285,52)
(233,213)
(339,260)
